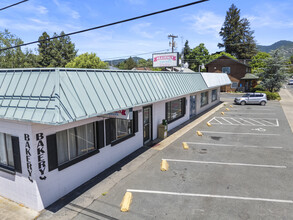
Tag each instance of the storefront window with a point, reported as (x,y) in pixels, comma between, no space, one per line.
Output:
(75,142)
(123,128)
(175,109)
(214,95)
(204,99)
(6,150)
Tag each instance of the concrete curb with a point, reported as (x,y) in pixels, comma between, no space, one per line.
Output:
(287,105)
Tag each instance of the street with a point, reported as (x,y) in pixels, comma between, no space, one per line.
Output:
(241,168)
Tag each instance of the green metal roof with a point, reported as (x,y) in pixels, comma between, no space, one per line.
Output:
(250,76)
(59,95)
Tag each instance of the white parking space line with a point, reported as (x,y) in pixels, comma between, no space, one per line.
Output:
(229,164)
(273,122)
(210,196)
(231,145)
(250,113)
(257,134)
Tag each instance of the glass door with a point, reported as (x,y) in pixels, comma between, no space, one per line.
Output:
(147,124)
(192,105)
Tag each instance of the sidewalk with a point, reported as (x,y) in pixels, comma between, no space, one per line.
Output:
(287,105)
(11,211)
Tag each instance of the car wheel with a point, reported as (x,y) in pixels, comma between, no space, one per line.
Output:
(242,103)
(263,103)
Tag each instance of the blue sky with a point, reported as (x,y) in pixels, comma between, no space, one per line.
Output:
(271,20)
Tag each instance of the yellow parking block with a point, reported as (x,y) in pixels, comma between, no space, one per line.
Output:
(164,165)
(126,201)
(227,109)
(231,106)
(223,113)
(199,133)
(209,124)
(185,146)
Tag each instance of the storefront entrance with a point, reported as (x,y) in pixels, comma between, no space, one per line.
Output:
(147,124)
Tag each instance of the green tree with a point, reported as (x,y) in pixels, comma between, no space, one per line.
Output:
(237,36)
(56,52)
(87,61)
(45,50)
(258,63)
(12,58)
(186,50)
(274,73)
(127,64)
(217,55)
(198,56)
(145,63)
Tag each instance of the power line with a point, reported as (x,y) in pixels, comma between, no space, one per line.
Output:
(9,6)
(107,25)
(136,54)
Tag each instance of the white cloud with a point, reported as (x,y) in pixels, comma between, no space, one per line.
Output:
(65,8)
(136,2)
(272,16)
(42,10)
(205,22)
(145,30)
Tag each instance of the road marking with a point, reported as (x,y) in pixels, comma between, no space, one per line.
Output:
(257,122)
(231,145)
(210,196)
(245,121)
(259,129)
(251,113)
(227,121)
(229,164)
(219,132)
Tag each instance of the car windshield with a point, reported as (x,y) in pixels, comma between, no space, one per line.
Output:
(246,95)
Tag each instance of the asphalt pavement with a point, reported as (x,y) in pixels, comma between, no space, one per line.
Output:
(241,168)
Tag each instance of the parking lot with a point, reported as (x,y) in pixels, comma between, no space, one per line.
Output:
(241,168)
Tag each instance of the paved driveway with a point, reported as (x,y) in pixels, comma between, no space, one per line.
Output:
(234,171)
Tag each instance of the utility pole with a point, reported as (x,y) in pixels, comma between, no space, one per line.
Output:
(172,44)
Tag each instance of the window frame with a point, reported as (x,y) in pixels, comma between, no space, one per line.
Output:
(119,140)
(232,87)
(183,109)
(228,68)
(201,97)
(216,91)
(81,157)
(15,156)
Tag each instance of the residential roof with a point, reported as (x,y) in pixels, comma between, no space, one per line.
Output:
(59,95)
(226,57)
(250,76)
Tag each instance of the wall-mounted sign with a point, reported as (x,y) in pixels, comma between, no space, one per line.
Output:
(28,155)
(166,60)
(123,114)
(41,155)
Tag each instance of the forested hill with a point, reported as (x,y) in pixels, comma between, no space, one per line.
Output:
(285,46)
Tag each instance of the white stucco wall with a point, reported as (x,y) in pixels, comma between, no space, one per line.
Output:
(17,187)
(56,184)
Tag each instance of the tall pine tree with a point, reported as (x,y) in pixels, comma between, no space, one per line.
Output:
(186,50)
(237,36)
(56,52)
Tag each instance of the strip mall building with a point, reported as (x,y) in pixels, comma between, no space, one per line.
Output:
(61,127)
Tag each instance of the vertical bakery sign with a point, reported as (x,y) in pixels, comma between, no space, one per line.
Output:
(41,155)
(28,156)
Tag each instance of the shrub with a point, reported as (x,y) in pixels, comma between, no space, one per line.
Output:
(257,88)
(271,95)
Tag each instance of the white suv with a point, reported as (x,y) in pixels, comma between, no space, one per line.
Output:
(252,98)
